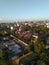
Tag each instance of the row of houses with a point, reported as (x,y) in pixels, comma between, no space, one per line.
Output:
(16,51)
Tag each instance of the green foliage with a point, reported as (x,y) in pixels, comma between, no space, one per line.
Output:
(3,60)
(27,27)
(44,57)
(25,60)
(31,47)
(40,62)
(37,47)
(47,32)
(1,36)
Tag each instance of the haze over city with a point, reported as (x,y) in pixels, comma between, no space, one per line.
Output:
(24,9)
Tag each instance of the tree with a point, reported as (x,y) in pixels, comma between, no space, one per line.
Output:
(3,60)
(27,27)
(31,47)
(44,57)
(37,46)
(40,62)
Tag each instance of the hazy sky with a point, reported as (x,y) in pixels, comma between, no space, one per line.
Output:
(24,9)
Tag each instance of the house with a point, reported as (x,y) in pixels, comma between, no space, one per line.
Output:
(26,34)
(23,60)
(13,47)
(34,37)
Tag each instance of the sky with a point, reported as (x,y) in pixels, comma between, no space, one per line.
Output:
(24,9)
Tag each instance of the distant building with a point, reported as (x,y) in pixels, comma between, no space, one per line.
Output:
(47,24)
(18,25)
